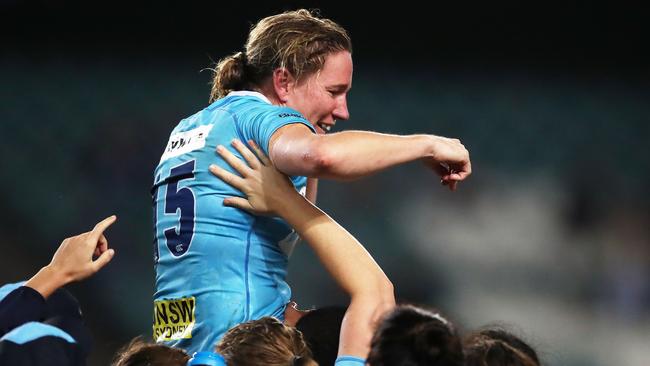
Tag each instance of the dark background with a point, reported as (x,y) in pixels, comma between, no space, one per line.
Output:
(577,36)
(549,235)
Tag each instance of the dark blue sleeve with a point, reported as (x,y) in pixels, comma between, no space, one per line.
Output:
(22,305)
(36,343)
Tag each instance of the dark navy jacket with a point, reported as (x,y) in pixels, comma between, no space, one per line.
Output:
(35,331)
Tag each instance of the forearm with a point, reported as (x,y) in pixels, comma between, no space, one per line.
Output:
(47,280)
(359,324)
(354,154)
(349,154)
(351,266)
(312,190)
(342,255)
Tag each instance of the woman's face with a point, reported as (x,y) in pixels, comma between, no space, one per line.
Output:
(322,96)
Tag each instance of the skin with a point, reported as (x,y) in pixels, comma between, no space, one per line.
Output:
(292,314)
(322,98)
(269,192)
(73,260)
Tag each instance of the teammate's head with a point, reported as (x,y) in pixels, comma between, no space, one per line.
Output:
(296,58)
(141,353)
(411,335)
(266,341)
(321,329)
(498,347)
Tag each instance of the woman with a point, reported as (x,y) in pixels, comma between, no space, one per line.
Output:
(217,266)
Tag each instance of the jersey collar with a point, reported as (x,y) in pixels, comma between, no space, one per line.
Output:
(249,93)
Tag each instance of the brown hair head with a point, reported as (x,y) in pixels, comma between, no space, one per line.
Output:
(297,41)
(141,353)
(266,341)
(411,335)
(498,347)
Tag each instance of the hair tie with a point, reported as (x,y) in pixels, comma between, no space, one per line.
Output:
(242,57)
(296,360)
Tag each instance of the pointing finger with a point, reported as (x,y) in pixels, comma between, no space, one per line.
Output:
(100,228)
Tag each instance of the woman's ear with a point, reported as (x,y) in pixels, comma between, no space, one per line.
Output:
(283,82)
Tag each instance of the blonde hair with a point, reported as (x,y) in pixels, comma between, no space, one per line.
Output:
(296,40)
(266,341)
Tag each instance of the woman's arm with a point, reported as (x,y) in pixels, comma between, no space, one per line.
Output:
(349,155)
(270,192)
(73,260)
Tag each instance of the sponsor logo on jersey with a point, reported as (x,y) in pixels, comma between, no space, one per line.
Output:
(173,319)
(184,142)
(296,115)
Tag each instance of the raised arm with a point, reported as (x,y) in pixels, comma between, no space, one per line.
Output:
(73,260)
(270,192)
(348,155)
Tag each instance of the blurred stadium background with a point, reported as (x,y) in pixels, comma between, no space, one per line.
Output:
(549,236)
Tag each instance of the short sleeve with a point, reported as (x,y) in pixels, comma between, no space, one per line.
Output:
(260,124)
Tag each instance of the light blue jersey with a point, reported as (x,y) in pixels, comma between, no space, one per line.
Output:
(216,266)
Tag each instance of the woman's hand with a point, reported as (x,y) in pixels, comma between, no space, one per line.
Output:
(267,190)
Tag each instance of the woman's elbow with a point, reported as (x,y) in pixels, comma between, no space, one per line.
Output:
(321,159)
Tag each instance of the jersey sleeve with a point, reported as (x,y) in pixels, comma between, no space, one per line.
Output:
(261,123)
(349,361)
(23,304)
(36,343)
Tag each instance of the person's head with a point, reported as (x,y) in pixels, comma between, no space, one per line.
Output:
(141,353)
(498,347)
(266,341)
(321,329)
(296,59)
(411,335)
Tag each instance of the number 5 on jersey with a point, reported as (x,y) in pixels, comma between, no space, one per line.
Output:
(177,202)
